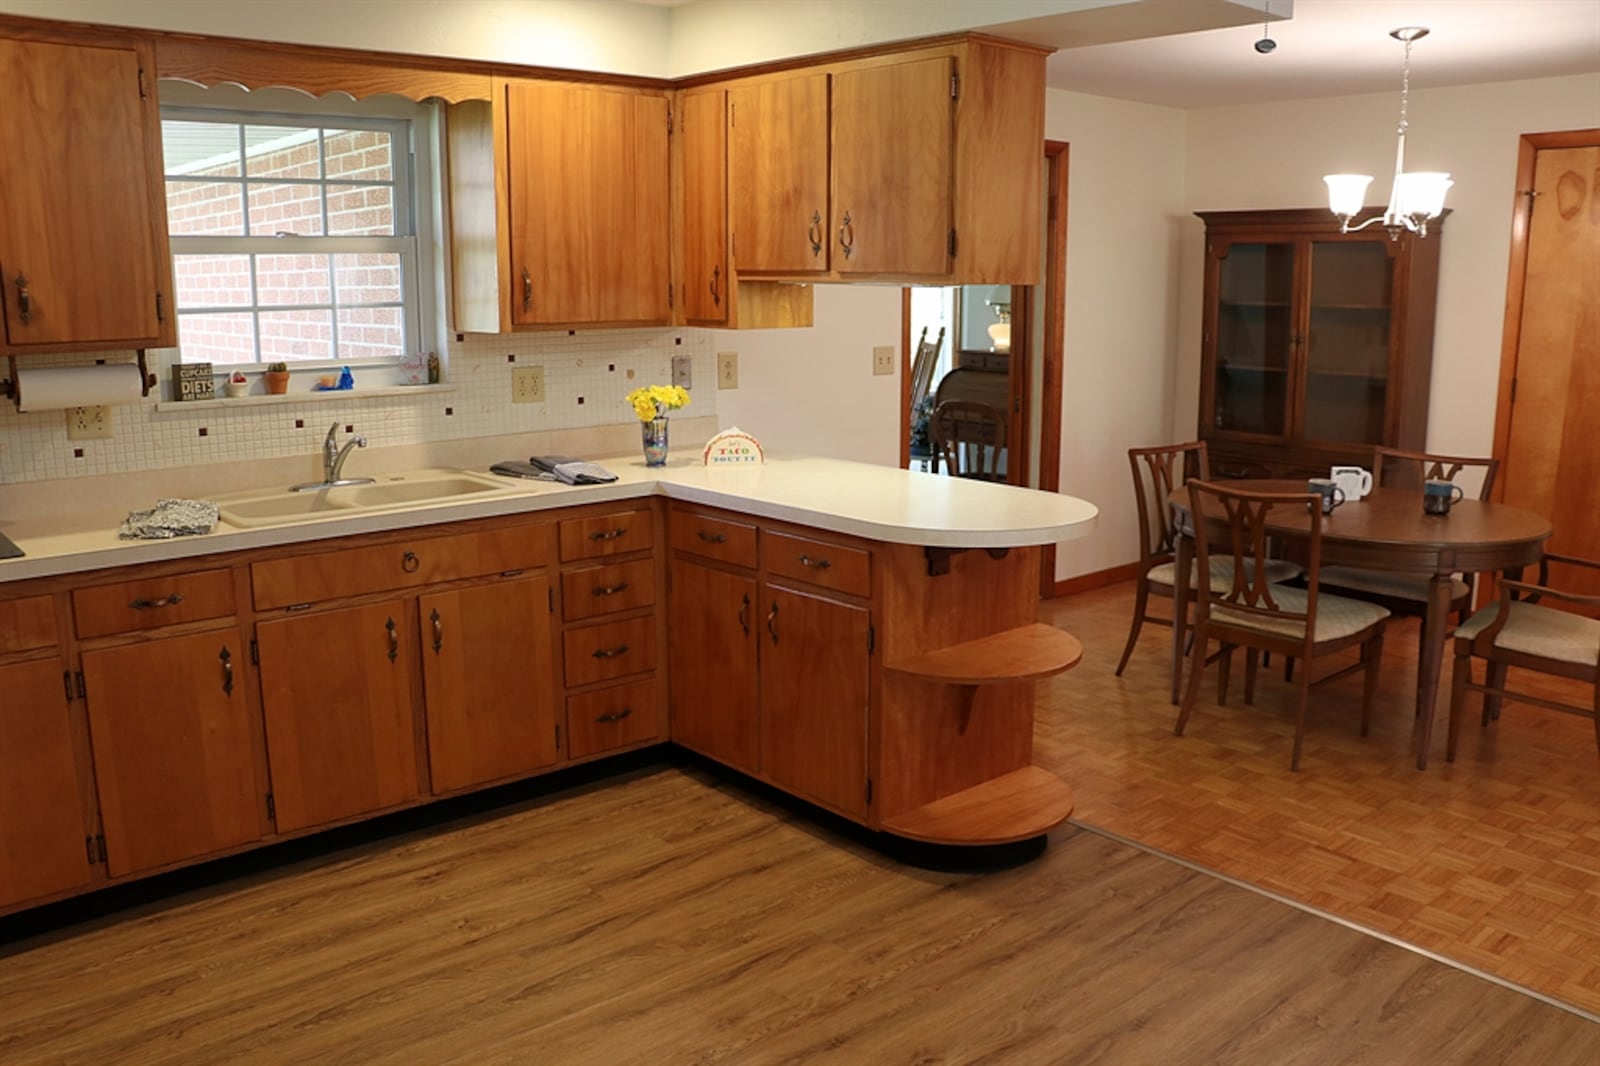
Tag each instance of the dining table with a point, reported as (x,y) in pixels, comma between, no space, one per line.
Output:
(1386,530)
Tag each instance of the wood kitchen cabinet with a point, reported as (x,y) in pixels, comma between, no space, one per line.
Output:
(175,757)
(1316,345)
(714,696)
(778,174)
(83,225)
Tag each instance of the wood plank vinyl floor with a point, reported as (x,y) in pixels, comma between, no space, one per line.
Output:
(669,917)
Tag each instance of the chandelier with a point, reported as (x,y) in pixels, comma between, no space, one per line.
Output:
(1415,197)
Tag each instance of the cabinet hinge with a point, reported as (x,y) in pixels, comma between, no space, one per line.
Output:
(558,738)
(83,693)
(550,599)
(66,683)
(672,297)
(872,639)
(142,94)
(952,243)
(669,120)
(733,114)
(99,847)
(955,86)
(88,849)
(161,309)
(255,652)
(869,791)
(272,807)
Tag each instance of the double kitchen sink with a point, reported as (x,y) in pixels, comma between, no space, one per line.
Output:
(276,507)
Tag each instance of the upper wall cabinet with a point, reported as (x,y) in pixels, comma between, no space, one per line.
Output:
(924,165)
(83,222)
(559,207)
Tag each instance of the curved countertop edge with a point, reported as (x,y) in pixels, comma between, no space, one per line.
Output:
(879,503)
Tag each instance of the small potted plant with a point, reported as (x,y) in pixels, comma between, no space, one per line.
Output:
(651,404)
(236,385)
(277,378)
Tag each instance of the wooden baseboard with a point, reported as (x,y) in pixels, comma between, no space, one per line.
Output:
(1098,579)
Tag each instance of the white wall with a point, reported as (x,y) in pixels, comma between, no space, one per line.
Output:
(1274,155)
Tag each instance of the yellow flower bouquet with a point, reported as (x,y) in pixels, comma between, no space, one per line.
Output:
(654,401)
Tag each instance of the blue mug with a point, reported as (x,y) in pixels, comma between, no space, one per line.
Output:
(1437,496)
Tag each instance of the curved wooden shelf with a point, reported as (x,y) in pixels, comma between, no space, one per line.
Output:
(1026,653)
(1006,809)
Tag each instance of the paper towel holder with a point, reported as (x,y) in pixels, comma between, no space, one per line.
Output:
(10,388)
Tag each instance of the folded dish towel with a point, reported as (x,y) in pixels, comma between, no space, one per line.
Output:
(170,518)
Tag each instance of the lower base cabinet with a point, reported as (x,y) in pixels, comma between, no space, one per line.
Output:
(174,751)
(42,835)
(336,696)
(713,680)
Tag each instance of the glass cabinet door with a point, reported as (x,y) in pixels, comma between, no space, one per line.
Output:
(1347,347)
(1255,338)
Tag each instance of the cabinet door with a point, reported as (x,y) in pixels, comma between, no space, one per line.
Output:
(778,175)
(814,697)
(488,678)
(42,834)
(336,693)
(1250,343)
(713,679)
(703,140)
(82,228)
(174,758)
(1349,340)
(588,204)
(893,143)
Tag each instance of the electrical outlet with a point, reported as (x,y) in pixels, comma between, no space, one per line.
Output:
(89,423)
(527,384)
(727,370)
(682,372)
(883,359)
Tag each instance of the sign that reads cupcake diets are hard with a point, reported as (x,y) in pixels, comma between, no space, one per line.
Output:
(733,447)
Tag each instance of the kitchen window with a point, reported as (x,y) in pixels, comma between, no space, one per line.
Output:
(298,236)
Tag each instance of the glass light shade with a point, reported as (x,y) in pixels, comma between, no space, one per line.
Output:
(1000,336)
(1421,194)
(1347,193)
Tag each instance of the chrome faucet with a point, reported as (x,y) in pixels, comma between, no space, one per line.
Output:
(333,458)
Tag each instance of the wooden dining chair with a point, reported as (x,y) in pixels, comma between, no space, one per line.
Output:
(1156,472)
(1518,630)
(970,439)
(1254,613)
(1407,594)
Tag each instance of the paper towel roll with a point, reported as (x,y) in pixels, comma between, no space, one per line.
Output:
(51,388)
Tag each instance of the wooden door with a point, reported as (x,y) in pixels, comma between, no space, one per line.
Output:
(814,696)
(488,681)
(713,678)
(588,204)
(42,833)
(703,141)
(1552,463)
(336,695)
(82,228)
(174,754)
(778,175)
(893,143)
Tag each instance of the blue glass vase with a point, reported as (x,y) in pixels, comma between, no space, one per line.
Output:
(654,433)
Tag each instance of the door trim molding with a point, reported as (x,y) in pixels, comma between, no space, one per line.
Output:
(1053,358)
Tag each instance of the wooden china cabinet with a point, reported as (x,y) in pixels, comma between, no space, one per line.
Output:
(1316,345)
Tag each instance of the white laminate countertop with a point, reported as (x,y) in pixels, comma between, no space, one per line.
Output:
(876,502)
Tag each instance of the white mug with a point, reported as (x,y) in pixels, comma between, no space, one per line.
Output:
(1354,481)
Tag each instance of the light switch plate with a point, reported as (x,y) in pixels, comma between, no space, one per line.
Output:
(682,372)
(883,359)
(727,370)
(89,423)
(527,384)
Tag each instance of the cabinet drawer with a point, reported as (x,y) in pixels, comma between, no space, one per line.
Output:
(612,649)
(611,718)
(606,534)
(152,602)
(832,566)
(400,565)
(27,623)
(597,590)
(713,538)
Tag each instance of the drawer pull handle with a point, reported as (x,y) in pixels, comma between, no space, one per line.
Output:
(143,604)
(744,615)
(820,564)
(713,538)
(438,630)
(410,563)
(394,640)
(847,236)
(615,716)
(227,669)
(608,534)
(814,233)
(611,653)
(610,590)
(772,622)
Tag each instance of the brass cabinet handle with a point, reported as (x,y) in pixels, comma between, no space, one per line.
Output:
(438,630)
(772,622)
(394,640)
(615,716)
(847,236)
(744,615)
(611,653)
(608,534)
(24,301)
(814,233)
(527,290)
(227,669)
(716,294)
(142,604)
(820,564)
(410,563)
(713,538)
(610,590)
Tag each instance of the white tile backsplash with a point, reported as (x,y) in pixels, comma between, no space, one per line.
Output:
(587,374)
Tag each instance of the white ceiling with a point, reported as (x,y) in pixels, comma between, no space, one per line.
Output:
(1329,48)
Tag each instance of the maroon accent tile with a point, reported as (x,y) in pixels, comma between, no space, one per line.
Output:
(349,429)
(611,367)
(77,453)
(448,411)
(572,333)
(299,423)
(580,401)
(203,431)
(460,337)
(677,340)
(511,357)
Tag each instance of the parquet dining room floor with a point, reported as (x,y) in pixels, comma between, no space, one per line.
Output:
(1492,861)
